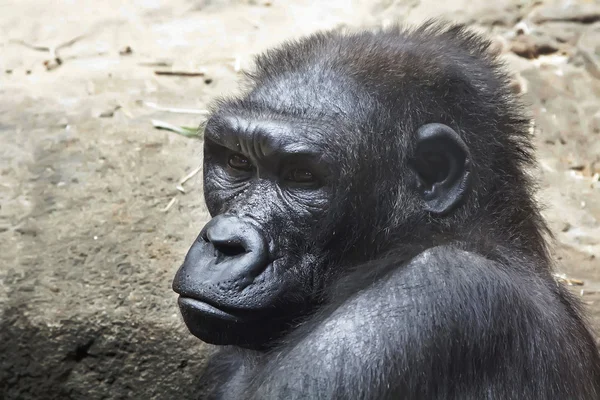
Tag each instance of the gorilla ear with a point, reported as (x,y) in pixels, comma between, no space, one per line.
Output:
(442,164)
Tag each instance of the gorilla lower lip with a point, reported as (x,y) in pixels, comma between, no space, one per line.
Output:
(190,305)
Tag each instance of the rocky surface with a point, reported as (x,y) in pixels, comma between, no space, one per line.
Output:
(92,222)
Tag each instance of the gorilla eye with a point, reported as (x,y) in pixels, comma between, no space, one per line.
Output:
(300,176)
(240,162)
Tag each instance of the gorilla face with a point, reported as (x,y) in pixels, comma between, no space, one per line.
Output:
(253,265)
(300,189)
(279,205)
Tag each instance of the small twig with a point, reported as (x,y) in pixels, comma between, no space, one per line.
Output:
(53,50)
(71,42)
(156,64)
(568,281)
(175,109)
(189,176)
(173,200)
(186,178)
(188,74)
(56,60)
(592,67)
(182,130)
(109,113)
(30,46)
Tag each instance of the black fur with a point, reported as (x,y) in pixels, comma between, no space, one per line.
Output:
(387,300)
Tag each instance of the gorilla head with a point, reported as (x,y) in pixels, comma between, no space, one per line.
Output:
(340,149)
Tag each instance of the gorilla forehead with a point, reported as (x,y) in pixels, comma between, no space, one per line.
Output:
(316,90)
(342,74)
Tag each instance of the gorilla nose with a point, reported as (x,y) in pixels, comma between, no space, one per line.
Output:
(227,256)
(231,237)
(226,241)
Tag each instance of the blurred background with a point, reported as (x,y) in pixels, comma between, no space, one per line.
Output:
(100,180)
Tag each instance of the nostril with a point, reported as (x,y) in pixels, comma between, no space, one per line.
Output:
(236,243)
(229,249)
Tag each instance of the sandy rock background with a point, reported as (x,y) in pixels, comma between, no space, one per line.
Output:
(92,222)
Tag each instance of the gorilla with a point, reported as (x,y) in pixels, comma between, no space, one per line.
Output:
(374,233)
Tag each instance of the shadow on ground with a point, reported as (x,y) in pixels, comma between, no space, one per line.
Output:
(77,359)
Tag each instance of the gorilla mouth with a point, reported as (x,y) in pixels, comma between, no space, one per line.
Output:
(219,327)
(188,306)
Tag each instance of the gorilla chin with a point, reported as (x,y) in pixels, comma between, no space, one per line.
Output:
(215,326)
(248,330)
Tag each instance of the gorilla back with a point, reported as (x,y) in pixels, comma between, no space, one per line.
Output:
(374,233)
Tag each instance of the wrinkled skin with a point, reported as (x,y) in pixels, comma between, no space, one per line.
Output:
(374,234)
(269,186)
(257,257)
